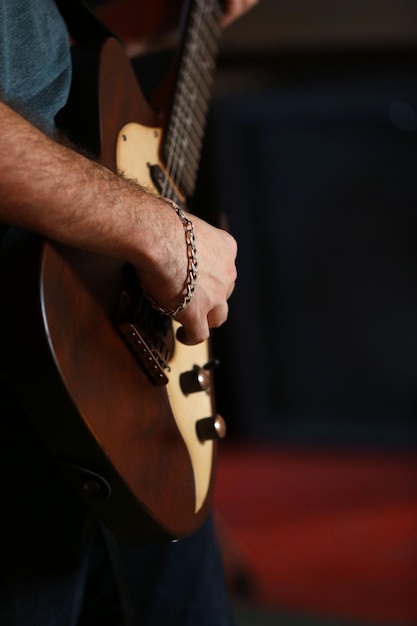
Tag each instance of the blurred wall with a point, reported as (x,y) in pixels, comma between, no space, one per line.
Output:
(312,158)
(279,24)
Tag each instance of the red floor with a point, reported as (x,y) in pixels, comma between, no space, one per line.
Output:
(328,533)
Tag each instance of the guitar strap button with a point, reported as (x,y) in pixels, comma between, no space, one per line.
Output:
(91,483)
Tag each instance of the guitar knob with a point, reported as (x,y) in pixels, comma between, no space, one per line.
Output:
(197,379)
(210,428)
(211,365)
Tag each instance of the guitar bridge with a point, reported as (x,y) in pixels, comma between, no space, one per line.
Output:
(152,357)
(147,333)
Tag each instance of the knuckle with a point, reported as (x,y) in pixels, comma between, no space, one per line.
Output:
(218,316)
(232,244)
(204,335)
(193,336)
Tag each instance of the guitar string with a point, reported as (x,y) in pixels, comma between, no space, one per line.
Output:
(176,110)
(202,80)
(198,78)
(174,169)
(181,107)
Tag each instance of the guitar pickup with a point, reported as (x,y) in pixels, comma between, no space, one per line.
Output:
(150,358)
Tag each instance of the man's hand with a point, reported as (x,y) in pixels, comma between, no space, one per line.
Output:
(165,276)
(60,194)
(234,9)
(215,283)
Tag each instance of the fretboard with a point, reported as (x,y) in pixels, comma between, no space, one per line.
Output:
(184,130)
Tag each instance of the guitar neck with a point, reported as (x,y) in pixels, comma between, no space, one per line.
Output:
(187,116)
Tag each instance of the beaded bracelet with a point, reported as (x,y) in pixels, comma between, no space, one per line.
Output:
(192,263)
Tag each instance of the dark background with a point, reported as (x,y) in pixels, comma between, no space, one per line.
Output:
(312,156)
(311,160)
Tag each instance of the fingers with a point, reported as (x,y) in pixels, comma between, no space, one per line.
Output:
(191,335)
(218,316)
(199,332)
(235,8)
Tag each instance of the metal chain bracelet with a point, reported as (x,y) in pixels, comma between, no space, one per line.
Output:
(192,263)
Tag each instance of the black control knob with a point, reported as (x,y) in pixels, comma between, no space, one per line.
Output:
(197,379)
(211,428)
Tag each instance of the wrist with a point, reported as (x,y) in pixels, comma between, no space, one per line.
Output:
(190,262)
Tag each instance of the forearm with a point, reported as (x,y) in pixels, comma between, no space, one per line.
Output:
(47,188)
(55,191)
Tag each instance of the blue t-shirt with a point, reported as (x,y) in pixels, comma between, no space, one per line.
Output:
(35,61)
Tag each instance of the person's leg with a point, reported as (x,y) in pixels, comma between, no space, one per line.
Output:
(58,570)
(45,532)
(179,584)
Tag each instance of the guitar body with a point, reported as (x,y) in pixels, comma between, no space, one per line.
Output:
(126,437)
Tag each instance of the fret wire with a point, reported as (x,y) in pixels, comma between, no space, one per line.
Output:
(209,42)
(188,146)
(179,155)
(199,53)
(196,71)
(187,170)
(187,95)
(199,98)
(208,35)
(190,151)
(191,148)
(196,125)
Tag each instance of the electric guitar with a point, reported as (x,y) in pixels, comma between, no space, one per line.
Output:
(127,410)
